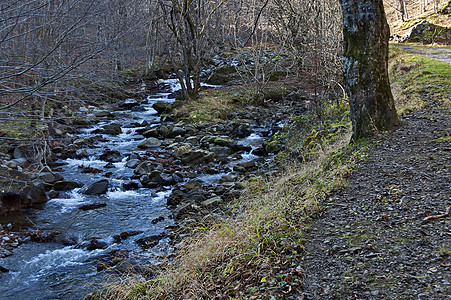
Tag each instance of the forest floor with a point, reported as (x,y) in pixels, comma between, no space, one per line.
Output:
(388,234)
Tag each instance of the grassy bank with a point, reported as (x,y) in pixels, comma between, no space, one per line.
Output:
(417,80)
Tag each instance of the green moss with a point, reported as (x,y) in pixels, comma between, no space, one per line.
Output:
(442,139)
(417,79)
(137,291)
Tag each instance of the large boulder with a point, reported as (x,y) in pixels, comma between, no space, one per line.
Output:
(35,193)
(97,188)
(13,202)
(10,203)
(425,32)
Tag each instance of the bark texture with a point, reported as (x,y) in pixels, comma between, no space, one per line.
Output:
(365,67)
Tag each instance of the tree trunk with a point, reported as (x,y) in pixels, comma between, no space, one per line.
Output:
(365,67)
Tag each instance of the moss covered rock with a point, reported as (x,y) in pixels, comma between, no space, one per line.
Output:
(426,32)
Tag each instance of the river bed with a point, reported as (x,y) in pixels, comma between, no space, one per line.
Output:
(52,270)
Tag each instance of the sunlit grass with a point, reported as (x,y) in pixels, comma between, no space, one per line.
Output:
(417,80)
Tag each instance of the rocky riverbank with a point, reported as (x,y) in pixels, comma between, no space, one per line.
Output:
(201,165)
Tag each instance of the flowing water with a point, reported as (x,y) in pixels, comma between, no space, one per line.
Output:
(55,271)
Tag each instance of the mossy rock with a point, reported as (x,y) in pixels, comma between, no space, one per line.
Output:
(162,107)
(426,32)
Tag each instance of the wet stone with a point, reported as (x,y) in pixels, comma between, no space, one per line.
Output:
(97,188)
(149,242)
(150,143)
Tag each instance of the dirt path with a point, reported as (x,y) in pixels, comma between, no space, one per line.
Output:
(371,240)
(440,53)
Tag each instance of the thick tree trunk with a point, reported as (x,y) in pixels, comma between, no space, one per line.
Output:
(365,66)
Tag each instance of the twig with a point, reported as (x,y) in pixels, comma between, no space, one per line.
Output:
(444,215)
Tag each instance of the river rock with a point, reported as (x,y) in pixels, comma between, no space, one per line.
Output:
(149,242)
(145,179)
(50,177)
(99,113)
(196,195)
(81,153)
(129,103)
(132,163)
(176,131)
(64,185)
(131,185)
(221,152)
(232,194)
(151,133)
(163,178)
(35,193)
(260,151)
(146,167)
(223,74)
(183,211)
(96,244)
(92,206)
(18,153)
(19,161)
(111,155)
(161,107)
(238,147)
(138,109)
(11,164)
(222,141)
(112,129)
(196,157)
(150,143)
(97,188)
(53,194)
(163,130)
(247,165)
